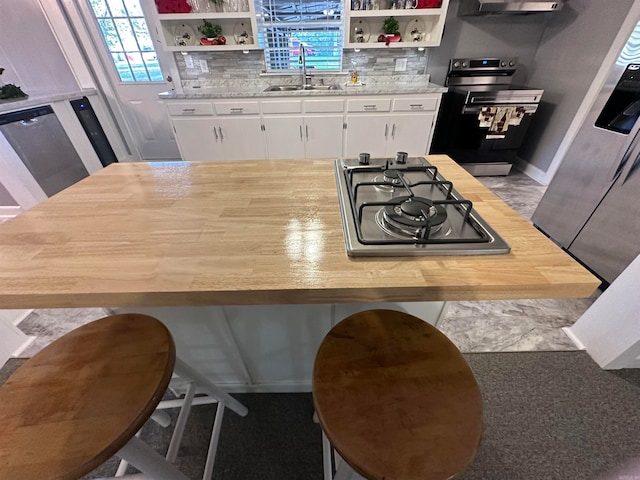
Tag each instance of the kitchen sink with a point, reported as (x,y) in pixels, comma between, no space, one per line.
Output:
(297,88)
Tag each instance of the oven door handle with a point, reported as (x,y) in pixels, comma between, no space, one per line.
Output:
(475,109)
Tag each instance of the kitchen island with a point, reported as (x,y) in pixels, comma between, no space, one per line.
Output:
(206,247)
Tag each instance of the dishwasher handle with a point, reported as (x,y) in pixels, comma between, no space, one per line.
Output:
(25,117)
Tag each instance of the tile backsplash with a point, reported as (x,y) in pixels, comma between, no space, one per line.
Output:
(231,66)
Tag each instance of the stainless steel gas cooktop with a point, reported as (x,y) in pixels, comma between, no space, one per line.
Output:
(402,206)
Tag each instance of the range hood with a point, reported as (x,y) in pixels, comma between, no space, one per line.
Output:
(507,7)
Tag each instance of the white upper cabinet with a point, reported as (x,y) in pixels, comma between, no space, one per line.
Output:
(179,31)
(418,27)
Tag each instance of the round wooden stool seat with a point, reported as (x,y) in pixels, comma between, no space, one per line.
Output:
(80,400)
(396,398)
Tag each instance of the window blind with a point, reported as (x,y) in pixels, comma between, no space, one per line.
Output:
(284,26)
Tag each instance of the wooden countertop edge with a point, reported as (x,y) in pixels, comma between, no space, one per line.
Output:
(302,296)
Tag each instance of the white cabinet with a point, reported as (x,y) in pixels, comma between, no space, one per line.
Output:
(418,27)
(311,128)
(381,132)
(310,136)
(219,138)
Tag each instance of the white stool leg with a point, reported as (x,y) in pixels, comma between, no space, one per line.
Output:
(145,459)
(186,371)
(213,443)
(327,464)
(181,423)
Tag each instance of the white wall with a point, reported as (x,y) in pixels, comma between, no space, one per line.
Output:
(30,53)
(573,47)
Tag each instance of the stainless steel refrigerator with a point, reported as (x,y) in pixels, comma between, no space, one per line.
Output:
(592,206)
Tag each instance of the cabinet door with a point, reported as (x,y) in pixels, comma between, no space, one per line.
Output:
(284,136)
(241,138)
(410,133)
(323,136)
(366,133)
(198,138)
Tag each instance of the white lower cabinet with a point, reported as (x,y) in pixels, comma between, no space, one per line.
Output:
(384,135)
(308,136)
(290,128)
(219,138)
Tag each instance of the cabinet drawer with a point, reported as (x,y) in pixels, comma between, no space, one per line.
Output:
(416,104)
(282,106)
(192,108)
(371,105)
(324,106)
(236,108)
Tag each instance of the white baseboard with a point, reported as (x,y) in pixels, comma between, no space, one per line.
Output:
(576,341)
(532,171)
(27,343)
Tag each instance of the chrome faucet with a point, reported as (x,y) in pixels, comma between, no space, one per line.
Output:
(306,78)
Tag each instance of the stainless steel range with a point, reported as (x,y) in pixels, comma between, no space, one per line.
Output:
(405,207)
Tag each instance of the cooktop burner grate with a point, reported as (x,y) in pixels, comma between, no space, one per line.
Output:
(408,208)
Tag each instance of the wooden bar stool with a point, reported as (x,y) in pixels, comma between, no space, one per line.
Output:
(83,398)
(396,399)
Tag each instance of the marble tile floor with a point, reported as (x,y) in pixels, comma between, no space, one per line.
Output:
(488,326)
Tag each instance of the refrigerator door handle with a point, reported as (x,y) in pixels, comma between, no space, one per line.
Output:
(625,158)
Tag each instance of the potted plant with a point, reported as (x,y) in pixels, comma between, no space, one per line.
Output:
(390,28)
(9,91)
(212,33)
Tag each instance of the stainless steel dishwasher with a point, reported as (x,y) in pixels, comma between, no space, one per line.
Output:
(39,139)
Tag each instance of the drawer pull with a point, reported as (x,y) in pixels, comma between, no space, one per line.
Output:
(416,106)
(189,110)
(370,107)
(237,110)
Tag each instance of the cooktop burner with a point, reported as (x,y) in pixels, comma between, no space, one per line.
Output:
(405,207)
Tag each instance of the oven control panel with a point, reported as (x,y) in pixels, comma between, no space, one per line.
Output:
(474,64)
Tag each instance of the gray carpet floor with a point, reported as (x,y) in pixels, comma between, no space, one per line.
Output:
(548,415)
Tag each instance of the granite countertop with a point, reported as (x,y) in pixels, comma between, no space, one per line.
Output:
(12,105)
(387,85)
(227,233)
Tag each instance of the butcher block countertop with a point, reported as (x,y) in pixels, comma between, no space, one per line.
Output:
(249,233)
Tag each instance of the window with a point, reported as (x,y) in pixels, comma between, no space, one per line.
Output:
(286,25)
(127,38)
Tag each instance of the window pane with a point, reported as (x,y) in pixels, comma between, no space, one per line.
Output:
(117,8)
(126,35)
(122,66)
(153,67)
(99,8)
(142,34)
(133,8)
(285,25)
(137,67)
(127,38)
(110,35)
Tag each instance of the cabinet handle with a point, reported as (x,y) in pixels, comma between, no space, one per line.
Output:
(416,106)
(393,131)
(237,110)
(221,136)
(306,131)
(300,132)
(215,133)
(386,130)
(370,107)
(190,110)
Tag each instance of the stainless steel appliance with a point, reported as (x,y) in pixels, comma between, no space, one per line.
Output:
(483,117)
(405,207)
(507,7)
(40,141)
(592,206)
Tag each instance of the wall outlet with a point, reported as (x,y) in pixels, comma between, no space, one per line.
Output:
(401,64)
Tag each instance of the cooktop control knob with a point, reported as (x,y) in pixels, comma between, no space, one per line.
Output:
(512,63)
(364,158)
(464,64)
(503,64)
(401,157)
(456,64)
